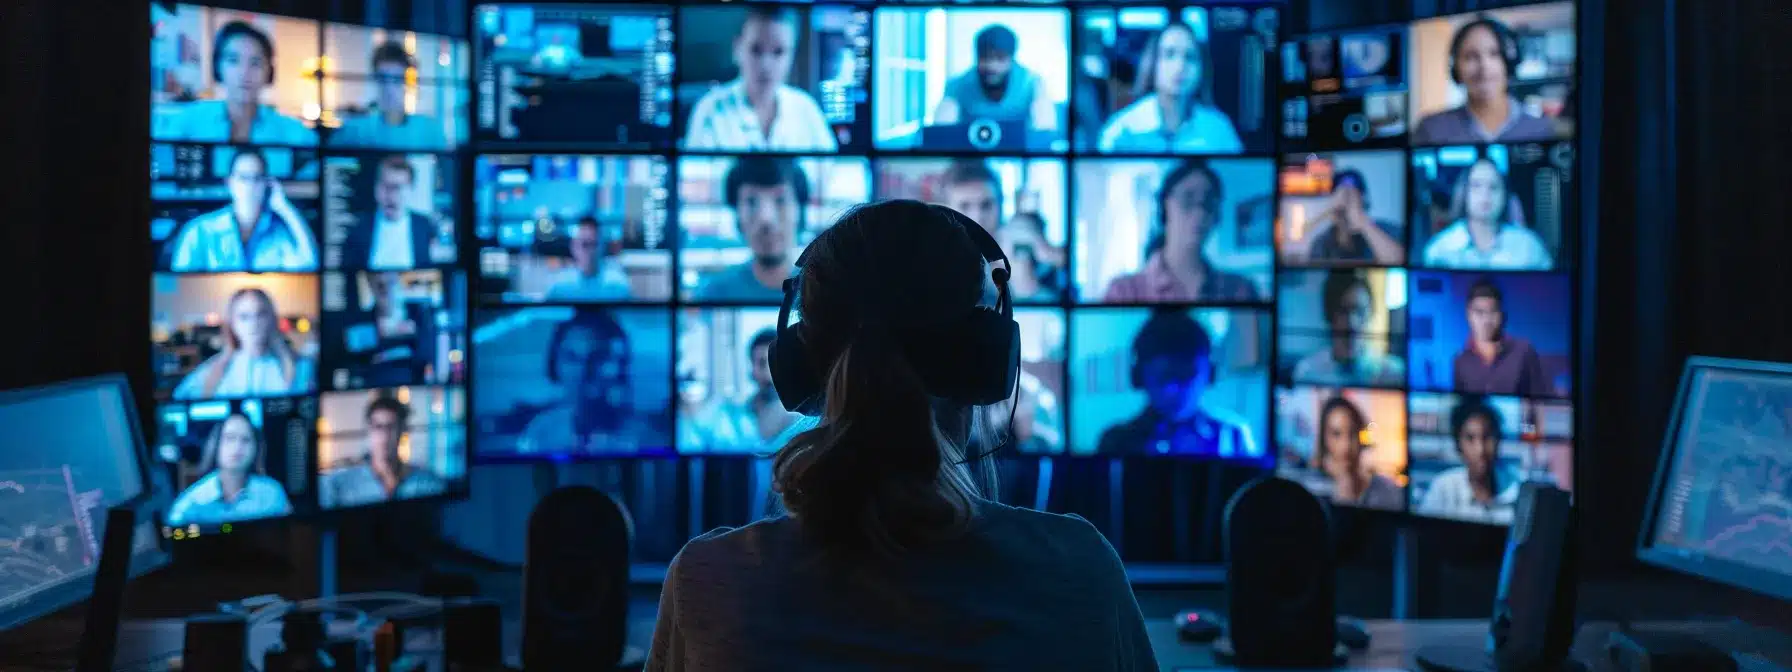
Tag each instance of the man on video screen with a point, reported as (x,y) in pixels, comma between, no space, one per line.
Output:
(998,89)
(750,423)
(589,357)
(591,277)
(387,124)
(1348,305)
(1481,489)
(259,230)
(1344,231)
(1172,363)
(392,237)
(1493,361)
(760,110)
(767,195)
(385,476)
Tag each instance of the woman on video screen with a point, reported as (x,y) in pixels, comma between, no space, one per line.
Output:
(257,360)
(1338,455)
(243,67)
(1485,233)
(1171,111)
(1481,489)
(1176,263)
(259,230)
(1483,56)
(760,110)
(233,486)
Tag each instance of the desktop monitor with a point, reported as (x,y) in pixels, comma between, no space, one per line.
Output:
(71,451)
(1721,508)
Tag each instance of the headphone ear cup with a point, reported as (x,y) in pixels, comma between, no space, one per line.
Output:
(973,362)
(793,376)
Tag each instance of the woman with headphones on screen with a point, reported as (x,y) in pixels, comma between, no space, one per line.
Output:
(243,67)
(1483,57)
(889,556)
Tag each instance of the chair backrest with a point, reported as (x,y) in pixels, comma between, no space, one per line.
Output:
(1280,580)
(576,580)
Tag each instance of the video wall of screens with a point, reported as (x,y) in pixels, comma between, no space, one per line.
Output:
(309,302)
(1424,241)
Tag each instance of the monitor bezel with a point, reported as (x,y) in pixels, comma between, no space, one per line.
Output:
(1716,570)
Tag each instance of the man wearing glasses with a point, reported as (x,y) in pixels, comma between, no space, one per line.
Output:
(393,237)
(387,124)
(384,475)
(589,278)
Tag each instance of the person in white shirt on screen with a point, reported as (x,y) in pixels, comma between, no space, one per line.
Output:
(259,230)
(1484,233)
(1348,304)
(998,89)
(256,361)
(234,485)
(392,237)
(1481,490)
(759,110)
(243,66)
(1171,109)
(385,475)
(767,195)
(387,124)
(591,277)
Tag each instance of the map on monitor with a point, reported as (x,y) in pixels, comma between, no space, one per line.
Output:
(1722,506)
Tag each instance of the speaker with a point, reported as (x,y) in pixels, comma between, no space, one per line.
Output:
(575,582)
(215,643)
(1280,579)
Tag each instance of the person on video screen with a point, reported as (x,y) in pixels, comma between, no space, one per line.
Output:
(1348,305)
(1172,362)
(256,360)
(1338,455)
(259,230)
(234,485)
(385,475)
(243,67)
(1172,108)
(1485,230)
(1176,263)
(1483,55)
(1481,489)
(591,277)
(1344,231)
(387,124)
(588,357)
(767,195)
(971,188)
(754,422)
(1036,418)
(1493,361)
(998,89)
(392,237)
(760,110)
(397,357)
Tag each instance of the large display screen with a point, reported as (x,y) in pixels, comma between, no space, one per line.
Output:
(309,306)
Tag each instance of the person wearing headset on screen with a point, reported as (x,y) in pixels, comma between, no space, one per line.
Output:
(1171,109)
(243,66)
(889,553)
(591,277)
(385,476)
(388,125)
(1344,231)
(258,231)
(1493,361)
(1176,263)
(1482,489)
(1484,56)
(1172,363)
(1485,233)
(1348,304)
(759,110)
(392,237)
(588,357)
(1338,455)
(256,360)
(751,423)
(768,195)
(234,485)
(998,89)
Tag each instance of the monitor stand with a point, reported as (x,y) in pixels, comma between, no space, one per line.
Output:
(314,560)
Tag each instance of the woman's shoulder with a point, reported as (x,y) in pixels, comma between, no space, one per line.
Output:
(1059,538)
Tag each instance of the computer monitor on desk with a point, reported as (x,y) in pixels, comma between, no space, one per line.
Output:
(1722,502)
(68,452)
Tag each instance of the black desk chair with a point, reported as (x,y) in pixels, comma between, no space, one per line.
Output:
(575,583)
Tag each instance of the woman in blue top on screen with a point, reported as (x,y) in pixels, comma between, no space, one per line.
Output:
(1172,363)
(1485,232)
(256,361)
(589,357)
(768,195)
(759,110)
(243,66)
(258,231)
(387,125)
(1483,57)
(233,487)
(998,89)
(1171,109)
(889,556)
(1482,489)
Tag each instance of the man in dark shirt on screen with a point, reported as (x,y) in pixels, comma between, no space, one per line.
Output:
(392,237)
(1495,362)
(1172,363)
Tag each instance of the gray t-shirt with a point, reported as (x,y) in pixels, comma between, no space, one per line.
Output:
(1021,590)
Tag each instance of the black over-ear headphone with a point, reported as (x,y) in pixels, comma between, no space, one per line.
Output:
(1508,44)
(973,361)
(240,29)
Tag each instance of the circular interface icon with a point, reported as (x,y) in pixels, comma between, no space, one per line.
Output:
(985,134)
(1356,128)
